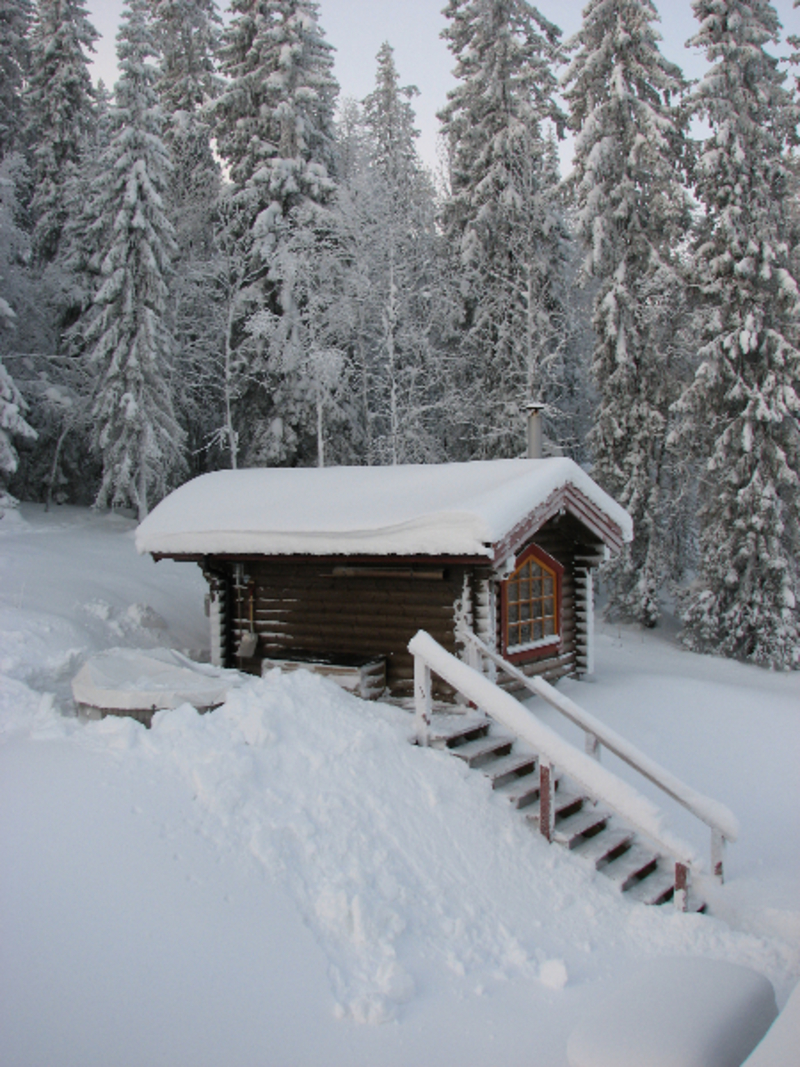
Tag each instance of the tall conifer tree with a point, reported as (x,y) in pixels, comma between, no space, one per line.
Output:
(59,102)
(13,249)
(742,411)
(274,127)
(501,216)
(188,36)
(15,19)
(398,229)
(631,214)
(135,430)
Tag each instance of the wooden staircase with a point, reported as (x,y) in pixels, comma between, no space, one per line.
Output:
(580,824)
(565,793)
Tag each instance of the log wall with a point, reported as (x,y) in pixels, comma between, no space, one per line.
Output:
(323,608)
(319,609)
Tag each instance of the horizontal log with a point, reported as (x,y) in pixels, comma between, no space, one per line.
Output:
(371,579)
(366,609)
(429,574)
(376,610)
(342,641)
(365,599)
(332,624)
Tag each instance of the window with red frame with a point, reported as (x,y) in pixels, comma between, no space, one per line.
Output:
(531,603)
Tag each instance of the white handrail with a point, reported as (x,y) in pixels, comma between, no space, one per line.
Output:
(714,814)
(637,810)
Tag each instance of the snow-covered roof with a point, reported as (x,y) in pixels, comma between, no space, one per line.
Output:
(436,509)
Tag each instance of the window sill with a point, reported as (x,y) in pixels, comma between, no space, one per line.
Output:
(521,653)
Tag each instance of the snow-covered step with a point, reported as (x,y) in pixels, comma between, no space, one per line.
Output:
(588,820)
(604,847)
(565,803)
(657,888)
(522,792)
(474,753)
(579,825)
(633,865)
(451,730)
(696,904)
(510,768)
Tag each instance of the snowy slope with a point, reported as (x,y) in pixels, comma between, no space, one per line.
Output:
(286,881)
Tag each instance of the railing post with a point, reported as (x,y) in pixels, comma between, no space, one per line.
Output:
(717,855)
(546,800)
(681,887)
(422,700)
(474,658)
(592,745)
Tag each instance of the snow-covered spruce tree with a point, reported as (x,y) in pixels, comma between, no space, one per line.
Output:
(59,112)
(395,230)
(134,427)
(74,276)
(274,127)
(15,18)
(501,219)
(631,212)
(741,411)
(12,418)
(307,339)
(794,41)
(188,33)
(13,248)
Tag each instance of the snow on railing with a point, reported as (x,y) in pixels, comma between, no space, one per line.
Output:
(623,799)
(720,820)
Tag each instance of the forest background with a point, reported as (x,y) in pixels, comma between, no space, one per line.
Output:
(225,264)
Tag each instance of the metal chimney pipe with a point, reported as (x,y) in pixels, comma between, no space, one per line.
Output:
(535,434)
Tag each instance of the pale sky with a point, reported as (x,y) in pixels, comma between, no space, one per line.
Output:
(357,28)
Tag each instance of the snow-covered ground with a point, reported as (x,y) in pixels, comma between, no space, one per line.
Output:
(285,881)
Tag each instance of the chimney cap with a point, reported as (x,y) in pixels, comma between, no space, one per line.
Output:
(533,406)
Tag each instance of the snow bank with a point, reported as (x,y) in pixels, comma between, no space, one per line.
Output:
(128,679)
(456,508)
(677,1013)
(71,584)
(781,1046)
(217,885)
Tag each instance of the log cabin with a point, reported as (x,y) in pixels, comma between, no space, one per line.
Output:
(337,568)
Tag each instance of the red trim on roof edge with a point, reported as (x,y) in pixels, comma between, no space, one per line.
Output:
(566,498)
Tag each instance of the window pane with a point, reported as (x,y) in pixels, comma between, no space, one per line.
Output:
(530,605)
